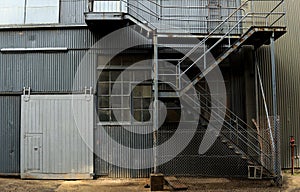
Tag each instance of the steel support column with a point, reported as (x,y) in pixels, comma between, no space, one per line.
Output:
(155,104)
(277,162)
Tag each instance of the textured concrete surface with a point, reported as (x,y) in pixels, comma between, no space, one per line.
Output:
(290,184)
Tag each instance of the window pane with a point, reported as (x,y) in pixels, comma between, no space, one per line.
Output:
(11,12)
(146,103)
(137,91)
(116,89)
(137,115)
(114,75)
(146,115)
(126,114)
(116,115)
(139,75)
(127,76)
(126,102)
(137,103)
(42,11)
(126,88)
(103,115)
(146,91)
(103,102)
(116,102)
(104,76)
(103,89)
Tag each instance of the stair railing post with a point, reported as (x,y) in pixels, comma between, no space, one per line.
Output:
(178,75)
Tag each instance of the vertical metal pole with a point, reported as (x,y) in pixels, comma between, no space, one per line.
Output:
(204,57)
(277,163)
(155,107)
(256,88)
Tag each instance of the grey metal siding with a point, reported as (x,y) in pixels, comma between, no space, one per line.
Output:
(48,72)
(121,135)
(57,136)
(72,38)
(288,91)
(72,11)
(42,72)
(219,160)
(10,135)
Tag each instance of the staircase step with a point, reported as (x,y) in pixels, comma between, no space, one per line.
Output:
(244,157)
(250,163)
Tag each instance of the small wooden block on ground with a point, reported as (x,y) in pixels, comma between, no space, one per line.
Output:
(175,183)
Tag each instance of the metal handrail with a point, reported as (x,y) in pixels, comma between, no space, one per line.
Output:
(250,14)
(243,126)
(231,113)
(238,133)
(226,115)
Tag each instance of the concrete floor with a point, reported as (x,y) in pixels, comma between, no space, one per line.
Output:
(291,183)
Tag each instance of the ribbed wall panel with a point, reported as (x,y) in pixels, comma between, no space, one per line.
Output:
(187,163)
(76,38)
(44,71)
(126,138)
(10,135)
(288,78)
(72,11)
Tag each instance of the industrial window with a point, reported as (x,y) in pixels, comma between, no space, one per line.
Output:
(29,12)
(116,101)
(141,100)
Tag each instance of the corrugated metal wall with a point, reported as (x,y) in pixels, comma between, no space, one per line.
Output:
(288,78)
(72,11)
(218,160)
(10,135)
(57,136)
(44,72)
(48,72)
(126,138)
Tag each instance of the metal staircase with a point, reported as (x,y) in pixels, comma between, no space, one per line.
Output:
(221,34)
(236,134)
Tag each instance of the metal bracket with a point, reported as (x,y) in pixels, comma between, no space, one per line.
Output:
(88,92)
(26,94)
